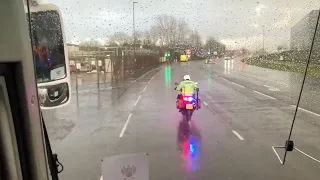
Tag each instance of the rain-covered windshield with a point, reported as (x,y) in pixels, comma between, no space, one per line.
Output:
(48,45)
(246,62)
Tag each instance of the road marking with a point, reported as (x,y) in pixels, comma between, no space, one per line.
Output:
(271,88)
(274,150)
(144,89)
(137,100)
(306,110)
(264,94)
(224,78)
(150,79)
(101,178)
(307,155)
(205,103)
(125,126)
(268,86)
(237,84)
(238,135)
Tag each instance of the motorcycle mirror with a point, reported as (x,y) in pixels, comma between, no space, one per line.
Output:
(196,83)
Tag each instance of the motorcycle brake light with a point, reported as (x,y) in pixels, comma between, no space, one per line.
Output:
(187,98)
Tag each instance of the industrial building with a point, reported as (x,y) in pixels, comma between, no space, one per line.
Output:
(303,31)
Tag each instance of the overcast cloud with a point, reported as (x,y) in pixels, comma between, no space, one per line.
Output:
(235,22)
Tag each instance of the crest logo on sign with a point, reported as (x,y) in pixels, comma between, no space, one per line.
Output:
(128,171)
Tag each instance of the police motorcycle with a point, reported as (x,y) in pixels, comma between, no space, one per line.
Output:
(187,104)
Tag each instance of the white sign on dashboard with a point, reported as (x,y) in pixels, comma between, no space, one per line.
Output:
(127,166)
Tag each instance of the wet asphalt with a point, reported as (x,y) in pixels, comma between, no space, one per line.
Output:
(242,116)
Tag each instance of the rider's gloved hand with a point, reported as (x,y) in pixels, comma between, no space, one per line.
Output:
(175,88)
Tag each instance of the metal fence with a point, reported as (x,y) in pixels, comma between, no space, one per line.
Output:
(116,66)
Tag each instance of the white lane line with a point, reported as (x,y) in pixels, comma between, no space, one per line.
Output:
(238,135)
(205,103)
(306,111)
(274,150)
(223,78)
(264,94)
(101,178)
(271,88)
(144,89)
(268,86)
(125,126)
(137,100)
(237,84)
(307,155)
(150,80)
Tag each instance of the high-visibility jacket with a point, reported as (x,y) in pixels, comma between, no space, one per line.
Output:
(188,87)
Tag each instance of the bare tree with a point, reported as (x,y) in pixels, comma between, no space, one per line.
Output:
(213,45)
(90,45)
(194,43)
(195,39)
(167,26)
(121,38)
(155,34)
(146,38)
(182,31)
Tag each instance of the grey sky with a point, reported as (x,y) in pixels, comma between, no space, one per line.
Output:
(234,22)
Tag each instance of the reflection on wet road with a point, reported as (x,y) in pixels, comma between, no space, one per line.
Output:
(229,138)
(188,141)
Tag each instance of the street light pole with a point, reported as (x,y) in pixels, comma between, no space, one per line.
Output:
(259,10)
(134,31)
(263,29)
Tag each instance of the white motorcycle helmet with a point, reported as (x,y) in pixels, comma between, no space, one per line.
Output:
(186,77)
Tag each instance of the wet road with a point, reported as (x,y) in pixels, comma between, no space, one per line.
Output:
(231,135)
(282,85)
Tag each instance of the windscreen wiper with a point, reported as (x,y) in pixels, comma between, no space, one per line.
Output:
(52,158)
(289,146)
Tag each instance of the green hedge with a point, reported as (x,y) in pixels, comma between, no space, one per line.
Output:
(194,58)
(313,70)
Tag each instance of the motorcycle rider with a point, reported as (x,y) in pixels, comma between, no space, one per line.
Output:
(187,88)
